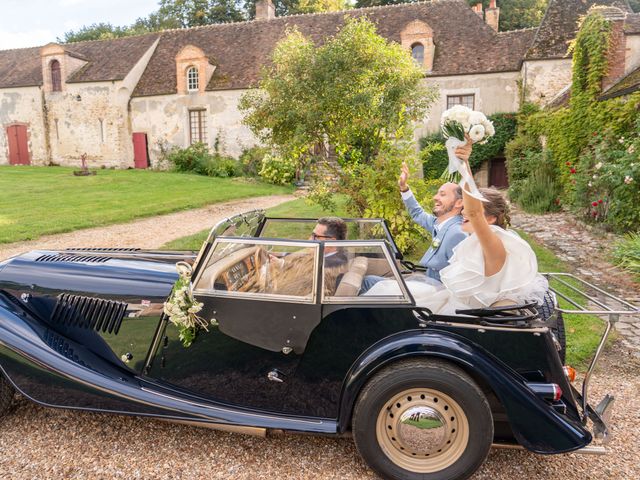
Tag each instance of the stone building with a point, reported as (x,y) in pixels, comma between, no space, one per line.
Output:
(121,101)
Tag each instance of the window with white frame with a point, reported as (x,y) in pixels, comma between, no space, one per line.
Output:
(466,100)
(198,126)
(193,81)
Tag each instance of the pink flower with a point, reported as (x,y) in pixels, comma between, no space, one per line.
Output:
(595,204)
(600,201)
(573,170)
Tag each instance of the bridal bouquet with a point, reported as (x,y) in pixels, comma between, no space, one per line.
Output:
(459,120)
(182,308)
(456,123)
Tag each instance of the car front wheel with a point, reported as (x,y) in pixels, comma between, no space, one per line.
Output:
(423,419)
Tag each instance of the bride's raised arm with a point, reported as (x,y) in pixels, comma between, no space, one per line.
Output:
(493,249)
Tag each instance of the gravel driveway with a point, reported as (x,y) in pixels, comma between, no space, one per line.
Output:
(150,232)
(39,443)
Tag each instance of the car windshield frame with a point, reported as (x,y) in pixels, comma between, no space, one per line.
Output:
(379,221)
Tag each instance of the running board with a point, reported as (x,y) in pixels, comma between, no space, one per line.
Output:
(588,450)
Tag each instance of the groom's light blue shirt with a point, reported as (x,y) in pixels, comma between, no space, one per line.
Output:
(445,236)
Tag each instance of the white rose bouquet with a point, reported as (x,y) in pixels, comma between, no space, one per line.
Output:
(459,123)
(181,307)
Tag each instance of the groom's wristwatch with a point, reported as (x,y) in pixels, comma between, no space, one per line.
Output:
(405,190)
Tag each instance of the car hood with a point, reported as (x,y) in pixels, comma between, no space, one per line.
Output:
(107,274)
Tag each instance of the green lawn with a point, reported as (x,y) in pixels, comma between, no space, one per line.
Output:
(43,200)
(295,208)
(583,332)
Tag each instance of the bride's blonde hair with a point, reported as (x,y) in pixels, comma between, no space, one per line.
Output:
(497,206)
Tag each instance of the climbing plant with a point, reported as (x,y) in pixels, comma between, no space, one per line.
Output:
(571,133)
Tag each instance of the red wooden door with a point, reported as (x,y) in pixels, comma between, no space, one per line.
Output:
(140,153)
(18,147)
(498,173)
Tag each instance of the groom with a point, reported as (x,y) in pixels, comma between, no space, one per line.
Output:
(444,224)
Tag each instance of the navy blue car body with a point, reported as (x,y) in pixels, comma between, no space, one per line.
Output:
(85,329)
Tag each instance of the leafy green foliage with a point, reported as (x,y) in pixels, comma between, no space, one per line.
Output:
(539,192)
(95,31)
(635,5)
(251,160)
(607,181)
(626,254)
(434,155)
(278,170)
(197,159)
(514,14)
(349,95)
(583,135)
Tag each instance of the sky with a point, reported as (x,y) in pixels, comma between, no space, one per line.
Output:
(30,23)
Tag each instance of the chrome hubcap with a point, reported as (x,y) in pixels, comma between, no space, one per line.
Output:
(422,430)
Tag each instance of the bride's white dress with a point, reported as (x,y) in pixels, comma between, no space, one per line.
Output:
(464,284)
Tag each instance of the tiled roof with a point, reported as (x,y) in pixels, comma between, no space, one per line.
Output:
(464,43)
(632,23)
(560,24)
(627,85)
(106,60)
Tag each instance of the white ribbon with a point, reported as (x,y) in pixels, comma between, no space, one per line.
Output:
(457,165)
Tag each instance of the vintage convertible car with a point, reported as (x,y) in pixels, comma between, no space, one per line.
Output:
(292,347)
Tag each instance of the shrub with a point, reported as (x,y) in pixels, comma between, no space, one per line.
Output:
(606,181)
(434,155)
(197,159)
(251,160)
(278,170)
(626,254)
(539,193)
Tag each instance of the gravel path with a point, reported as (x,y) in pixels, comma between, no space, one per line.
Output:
(146,233)
(40,443)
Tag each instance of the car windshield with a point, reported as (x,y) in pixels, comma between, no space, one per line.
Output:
(301,228)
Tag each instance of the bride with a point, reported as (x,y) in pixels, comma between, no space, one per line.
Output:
(491,266)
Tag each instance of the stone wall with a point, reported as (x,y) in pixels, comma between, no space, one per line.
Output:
(544,79)
(632,54)
(494,93)
(23,106)
(165,120)
(89,118)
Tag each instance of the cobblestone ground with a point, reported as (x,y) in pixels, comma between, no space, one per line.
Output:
(586,249)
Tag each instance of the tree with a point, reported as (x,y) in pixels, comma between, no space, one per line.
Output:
(514,14)
(193,13)
(292,7)
(95,31)
(358,95)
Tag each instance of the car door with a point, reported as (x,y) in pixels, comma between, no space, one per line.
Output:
(260,299)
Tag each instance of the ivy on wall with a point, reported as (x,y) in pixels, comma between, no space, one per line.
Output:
(567,135)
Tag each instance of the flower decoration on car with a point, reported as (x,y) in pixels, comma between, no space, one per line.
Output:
(182,308)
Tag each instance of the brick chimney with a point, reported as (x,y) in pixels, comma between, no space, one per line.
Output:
(617,48)
(478,9)
(492,15)
(265,10)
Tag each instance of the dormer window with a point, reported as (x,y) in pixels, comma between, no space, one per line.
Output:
(417,52)
(56,77)
(192,79)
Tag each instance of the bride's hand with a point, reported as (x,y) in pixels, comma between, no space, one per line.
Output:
(463,152)
(404,176)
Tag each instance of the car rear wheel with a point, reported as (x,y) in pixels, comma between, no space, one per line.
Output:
(6,395)
(423,419)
